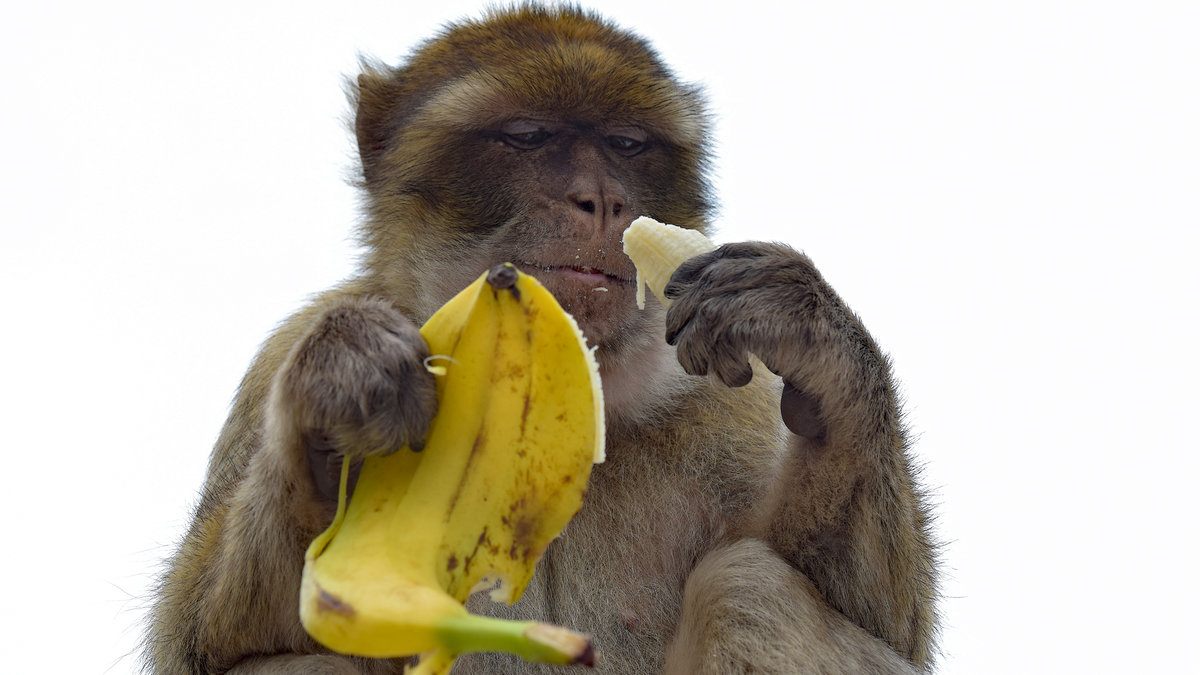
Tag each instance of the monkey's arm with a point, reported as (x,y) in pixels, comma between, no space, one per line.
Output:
(845,511)
(745,609)
(225,592)
(327,385)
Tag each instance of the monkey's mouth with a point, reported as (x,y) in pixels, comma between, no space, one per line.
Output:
(575,273)
(588,275)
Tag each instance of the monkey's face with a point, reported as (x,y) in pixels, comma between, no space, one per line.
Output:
(571,189)
(536,144)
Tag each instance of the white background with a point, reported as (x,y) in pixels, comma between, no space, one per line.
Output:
(1005,191)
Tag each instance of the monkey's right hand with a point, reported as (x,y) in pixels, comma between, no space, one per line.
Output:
(356,385)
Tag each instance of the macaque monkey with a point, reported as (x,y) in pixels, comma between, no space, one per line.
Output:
(757,512)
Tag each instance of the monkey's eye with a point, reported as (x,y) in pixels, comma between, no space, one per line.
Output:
(524,135)
(626,144)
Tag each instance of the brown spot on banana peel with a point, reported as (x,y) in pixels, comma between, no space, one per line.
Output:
(471,556)
(524,417)
(480,439)
(521,534)
(523,525)
(328,602)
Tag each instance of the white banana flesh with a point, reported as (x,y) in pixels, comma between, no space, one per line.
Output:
(657,250)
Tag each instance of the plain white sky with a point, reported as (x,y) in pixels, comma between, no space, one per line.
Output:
(1005,191)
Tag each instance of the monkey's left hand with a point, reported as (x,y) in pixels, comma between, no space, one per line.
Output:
(762,299)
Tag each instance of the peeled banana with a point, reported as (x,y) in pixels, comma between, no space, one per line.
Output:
(657,249)
(503,469)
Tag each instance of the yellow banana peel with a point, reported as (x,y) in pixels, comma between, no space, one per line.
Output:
(503,469)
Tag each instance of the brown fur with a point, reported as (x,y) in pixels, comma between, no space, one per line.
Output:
(743,593)
(712,539)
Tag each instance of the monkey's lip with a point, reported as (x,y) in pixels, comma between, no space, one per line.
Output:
(579,273)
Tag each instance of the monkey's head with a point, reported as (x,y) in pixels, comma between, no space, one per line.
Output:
(534,136)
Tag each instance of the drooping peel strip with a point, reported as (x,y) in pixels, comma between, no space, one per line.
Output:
(657,250)
(460,631)
(503,470)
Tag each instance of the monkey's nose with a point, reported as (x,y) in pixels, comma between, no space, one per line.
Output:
(603,205)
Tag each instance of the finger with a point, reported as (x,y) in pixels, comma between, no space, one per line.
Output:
(743,249)
(690,270)
(734,371)
(674,289)
(719,275)
(729,361)
(679,315)
(692,355)
(691,311)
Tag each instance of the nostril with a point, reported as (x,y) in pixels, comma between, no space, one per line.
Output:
(589,202)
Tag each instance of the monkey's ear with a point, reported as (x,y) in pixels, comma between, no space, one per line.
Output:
(376,95)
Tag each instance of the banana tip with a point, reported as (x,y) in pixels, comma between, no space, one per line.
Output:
(502,276)
(575,648)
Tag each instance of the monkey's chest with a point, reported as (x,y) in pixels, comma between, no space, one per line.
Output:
(617,573)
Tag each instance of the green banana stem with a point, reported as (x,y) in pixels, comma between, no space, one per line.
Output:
(531,640)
